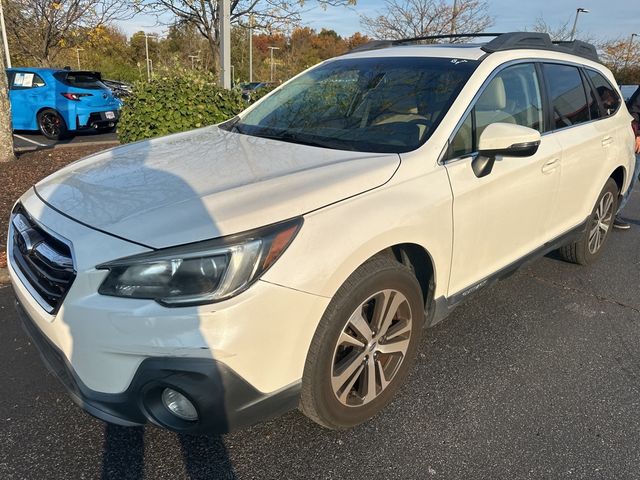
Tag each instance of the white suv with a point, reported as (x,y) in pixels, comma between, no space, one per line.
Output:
(292,256)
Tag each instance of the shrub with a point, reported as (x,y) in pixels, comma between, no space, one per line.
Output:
(176,103)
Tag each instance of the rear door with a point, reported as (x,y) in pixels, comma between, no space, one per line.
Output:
(503,216)
(587,143)
(27,92)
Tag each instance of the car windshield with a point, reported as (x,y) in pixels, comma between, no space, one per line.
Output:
(389,105)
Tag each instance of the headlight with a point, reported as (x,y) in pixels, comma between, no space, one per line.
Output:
(199,273)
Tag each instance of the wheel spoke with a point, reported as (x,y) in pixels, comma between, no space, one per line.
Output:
(349,340)
(371,379)
(351,364)
(383,379)
(397,300)
(347,388)
(399,346)
(359,323)
(397,330)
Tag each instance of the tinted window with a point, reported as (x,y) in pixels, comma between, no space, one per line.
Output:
(513,96)
(567,95)
(609,98)
(365,104)
(80,80)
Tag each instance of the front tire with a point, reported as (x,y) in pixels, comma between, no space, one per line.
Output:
(51,124)
(589,246)
(364,345)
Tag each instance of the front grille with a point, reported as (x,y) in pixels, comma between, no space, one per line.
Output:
(44,260)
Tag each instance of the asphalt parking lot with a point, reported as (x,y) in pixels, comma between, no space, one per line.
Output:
(24,141)
(537,377)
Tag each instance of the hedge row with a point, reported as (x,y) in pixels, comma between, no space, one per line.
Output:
(176,103)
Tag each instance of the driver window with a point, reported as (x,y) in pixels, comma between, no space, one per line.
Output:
(512,96)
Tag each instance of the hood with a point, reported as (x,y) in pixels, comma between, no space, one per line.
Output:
(207,183)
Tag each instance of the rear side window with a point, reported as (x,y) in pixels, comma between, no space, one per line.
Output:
(567,95)
(605,93)
(81,80)
(23,80)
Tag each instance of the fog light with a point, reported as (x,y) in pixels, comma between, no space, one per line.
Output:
(179,405)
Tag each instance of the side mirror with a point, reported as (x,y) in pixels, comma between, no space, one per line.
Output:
(507,140)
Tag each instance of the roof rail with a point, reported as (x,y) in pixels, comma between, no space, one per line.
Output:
(540,41)
(378,44)
(501,42)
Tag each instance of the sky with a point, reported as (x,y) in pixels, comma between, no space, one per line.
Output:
(607,19)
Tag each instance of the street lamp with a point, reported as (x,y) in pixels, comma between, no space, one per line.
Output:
(272,49)
(251,48)
(4,36)
(146,50)
(626,62)
(575,22)
(78,50)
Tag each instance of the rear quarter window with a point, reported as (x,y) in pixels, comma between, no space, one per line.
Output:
(605,93)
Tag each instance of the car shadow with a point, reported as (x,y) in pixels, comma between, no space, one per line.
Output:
(205,457)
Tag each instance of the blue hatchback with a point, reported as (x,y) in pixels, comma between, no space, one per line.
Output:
(57,102)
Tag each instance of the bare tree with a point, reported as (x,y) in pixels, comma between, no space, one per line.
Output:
(560,32)
(40,29)
(6,135)
(267,15)
(416,18)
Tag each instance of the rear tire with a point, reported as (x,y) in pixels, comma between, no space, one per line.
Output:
(589,246)
(52,125)
(364,345)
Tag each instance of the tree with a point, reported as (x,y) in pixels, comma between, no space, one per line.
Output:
(622,57)
(268,15)
(40,29)
(417,18)
(6,134)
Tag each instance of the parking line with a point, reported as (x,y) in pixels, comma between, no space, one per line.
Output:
(30,141)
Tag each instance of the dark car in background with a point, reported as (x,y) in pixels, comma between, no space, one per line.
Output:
(58,102)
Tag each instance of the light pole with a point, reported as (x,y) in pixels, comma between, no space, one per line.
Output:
(251,48)
(272,69)
(626,62)
(224,14)
(146,51)
(78,50)
(4,37)
(575,22)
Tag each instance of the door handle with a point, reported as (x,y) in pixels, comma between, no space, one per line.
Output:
(606,141)
(551,165)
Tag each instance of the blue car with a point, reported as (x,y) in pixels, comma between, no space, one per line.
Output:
(58,102)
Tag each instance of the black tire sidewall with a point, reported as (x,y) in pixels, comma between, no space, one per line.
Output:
(330,410)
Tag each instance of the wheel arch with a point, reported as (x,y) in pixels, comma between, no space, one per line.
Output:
(619,175)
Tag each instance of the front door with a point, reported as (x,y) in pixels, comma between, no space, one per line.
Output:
(503,216)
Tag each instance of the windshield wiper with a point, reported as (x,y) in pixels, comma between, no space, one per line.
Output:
(297,138)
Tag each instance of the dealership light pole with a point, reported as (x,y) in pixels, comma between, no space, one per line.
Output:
(5,42)
(224,13)
(454,13)
(575,22)
(272,49)
(146,51)
(251,48)
(78,50)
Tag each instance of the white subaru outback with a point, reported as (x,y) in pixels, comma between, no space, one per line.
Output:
(291,256)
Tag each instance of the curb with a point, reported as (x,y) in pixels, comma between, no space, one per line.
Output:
(113,143)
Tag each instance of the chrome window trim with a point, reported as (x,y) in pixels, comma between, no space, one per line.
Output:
(492,75)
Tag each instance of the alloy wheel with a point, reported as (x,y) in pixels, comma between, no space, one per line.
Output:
(50,124)
(601,222)
(371,347)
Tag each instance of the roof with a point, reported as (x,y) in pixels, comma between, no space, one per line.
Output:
(501,42)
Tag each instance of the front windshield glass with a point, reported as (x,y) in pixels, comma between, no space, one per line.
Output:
(366,104)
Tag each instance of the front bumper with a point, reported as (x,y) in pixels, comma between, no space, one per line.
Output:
(224,401)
